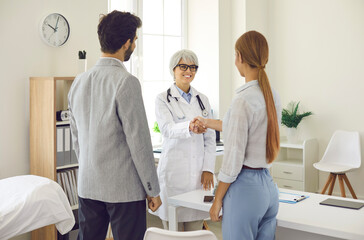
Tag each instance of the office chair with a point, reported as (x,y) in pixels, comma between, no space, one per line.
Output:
(342,155)
(162,234)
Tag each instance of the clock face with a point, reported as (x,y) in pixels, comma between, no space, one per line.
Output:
(55,30)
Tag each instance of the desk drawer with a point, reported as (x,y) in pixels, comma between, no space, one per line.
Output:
(287,172)
(289,184)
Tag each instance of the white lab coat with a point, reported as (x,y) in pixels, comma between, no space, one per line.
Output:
(185,155)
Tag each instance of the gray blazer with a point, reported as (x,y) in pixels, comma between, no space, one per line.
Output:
(111,135)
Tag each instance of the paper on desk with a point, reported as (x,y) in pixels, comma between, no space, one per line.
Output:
(219,148)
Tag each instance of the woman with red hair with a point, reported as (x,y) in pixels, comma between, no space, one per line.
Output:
(246,192)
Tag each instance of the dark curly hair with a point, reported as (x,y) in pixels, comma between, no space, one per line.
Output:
(115,29)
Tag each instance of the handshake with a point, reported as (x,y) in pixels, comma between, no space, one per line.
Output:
(198,125)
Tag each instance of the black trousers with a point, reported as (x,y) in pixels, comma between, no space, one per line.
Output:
(128,220)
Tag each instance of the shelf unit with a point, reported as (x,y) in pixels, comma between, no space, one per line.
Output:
(293,168)
(47,95)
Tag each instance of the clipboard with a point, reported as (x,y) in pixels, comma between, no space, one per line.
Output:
(291,198)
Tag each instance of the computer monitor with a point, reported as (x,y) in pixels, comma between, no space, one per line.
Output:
(218,141)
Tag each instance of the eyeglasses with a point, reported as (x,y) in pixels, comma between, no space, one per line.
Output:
(184,67)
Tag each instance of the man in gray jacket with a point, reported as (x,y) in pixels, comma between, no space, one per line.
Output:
(112,140)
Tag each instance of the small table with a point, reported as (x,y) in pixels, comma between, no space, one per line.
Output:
(303,219)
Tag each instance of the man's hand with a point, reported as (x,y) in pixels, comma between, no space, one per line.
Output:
(207,180)
(154,203)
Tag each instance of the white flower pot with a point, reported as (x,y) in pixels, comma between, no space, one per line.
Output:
(82,65)
(292,135)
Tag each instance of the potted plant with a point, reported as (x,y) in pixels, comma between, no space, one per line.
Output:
(157,130)
(156,127)
(291,118)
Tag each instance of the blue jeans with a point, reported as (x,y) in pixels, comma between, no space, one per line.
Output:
(250,207)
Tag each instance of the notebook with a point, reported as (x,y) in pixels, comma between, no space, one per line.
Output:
(342,203)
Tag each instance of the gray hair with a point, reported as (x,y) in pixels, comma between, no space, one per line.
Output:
(186,55)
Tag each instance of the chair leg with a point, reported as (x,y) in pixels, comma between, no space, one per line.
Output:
(329,179)
(349,186)
(341,182)
(205,226)
(332,184)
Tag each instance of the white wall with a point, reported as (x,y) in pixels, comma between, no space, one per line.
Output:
(203,39)
(23,54)
(317,58)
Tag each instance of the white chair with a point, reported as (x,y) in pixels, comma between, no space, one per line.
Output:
(342,155)
(162,234)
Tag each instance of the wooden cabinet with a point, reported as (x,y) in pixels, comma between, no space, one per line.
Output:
(47,95)
(293,168)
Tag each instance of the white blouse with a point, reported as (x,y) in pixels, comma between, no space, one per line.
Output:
(245,131)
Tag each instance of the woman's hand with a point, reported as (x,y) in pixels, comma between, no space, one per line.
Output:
(195,128)
(207,180)
(215,210)
(200,122)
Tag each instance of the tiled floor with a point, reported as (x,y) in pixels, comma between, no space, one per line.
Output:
(215,227)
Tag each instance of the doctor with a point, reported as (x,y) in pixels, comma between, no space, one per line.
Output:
(187,161)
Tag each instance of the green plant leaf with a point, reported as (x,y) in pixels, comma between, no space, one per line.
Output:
(291,116)
(156,127)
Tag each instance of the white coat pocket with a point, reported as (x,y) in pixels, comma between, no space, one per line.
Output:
(177,172)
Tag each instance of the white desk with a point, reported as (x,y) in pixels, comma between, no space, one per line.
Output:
(304,220)
(219,151)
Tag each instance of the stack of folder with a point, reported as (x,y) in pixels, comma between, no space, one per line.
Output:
(65,152)
(68,181)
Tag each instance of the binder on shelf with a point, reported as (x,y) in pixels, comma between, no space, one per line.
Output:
(73,187)
(60,146)
(67,179)
(73,153)
(76,172)
(68,188)
(59,179)
(67,145)
(291,197)
(66,154)
(73,175)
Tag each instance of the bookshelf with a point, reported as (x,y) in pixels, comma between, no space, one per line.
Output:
(293,168)
(47,96)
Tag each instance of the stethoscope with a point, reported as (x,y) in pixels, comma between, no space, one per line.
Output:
(179,113)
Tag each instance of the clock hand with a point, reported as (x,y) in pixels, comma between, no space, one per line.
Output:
(57,23)
(55,29)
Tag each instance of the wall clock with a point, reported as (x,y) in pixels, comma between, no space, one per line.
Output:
(55,30)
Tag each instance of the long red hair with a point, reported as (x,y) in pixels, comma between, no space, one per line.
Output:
(253,48)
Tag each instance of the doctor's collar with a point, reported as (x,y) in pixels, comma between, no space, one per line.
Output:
(177,91)
(182,92)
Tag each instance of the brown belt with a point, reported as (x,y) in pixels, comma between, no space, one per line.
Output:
(246,167)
